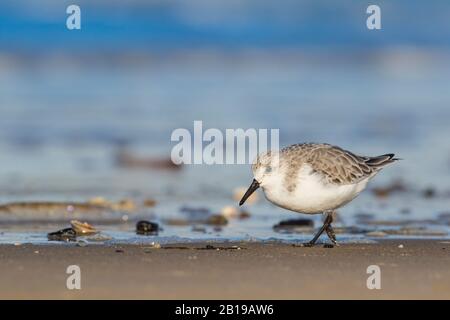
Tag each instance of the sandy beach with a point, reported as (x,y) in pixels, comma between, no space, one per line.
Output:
(410,269)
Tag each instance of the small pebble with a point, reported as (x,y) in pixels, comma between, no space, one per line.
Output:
(217,219)
(147,228)
(149,203)
(401,246)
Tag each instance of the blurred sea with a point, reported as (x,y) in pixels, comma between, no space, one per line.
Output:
(71,100)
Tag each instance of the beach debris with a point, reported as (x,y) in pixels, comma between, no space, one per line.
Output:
(147,228)
(400,246)
(149,203)
(126,159)
(293,225)
(119,251)
(395,186)
(82,228)
(239,192)
(217,220)
(67,234)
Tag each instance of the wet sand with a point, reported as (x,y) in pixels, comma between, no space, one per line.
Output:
(255,271)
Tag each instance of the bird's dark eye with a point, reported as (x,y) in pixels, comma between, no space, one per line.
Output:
(268,169)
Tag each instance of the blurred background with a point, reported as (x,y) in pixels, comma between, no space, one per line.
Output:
(86,112)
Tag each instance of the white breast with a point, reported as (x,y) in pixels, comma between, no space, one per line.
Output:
(311,194)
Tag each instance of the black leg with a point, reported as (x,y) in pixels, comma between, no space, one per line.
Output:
(330,232)
(326,226)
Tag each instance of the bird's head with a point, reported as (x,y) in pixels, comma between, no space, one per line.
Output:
(264,168)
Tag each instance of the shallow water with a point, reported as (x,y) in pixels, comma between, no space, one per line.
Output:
(61,134)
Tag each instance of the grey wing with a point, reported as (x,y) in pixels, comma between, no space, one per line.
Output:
(340,166)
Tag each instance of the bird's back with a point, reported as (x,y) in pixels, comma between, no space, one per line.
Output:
(338,166)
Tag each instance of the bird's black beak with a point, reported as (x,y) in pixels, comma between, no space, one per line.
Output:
(250,190)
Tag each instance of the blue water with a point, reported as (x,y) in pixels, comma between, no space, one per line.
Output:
(167,25)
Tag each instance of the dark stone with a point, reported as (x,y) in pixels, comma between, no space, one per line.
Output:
(67,234)
(147,228)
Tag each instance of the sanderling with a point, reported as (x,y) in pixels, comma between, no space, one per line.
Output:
(314,178)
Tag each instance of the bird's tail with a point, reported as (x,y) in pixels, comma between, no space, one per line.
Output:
(380,161)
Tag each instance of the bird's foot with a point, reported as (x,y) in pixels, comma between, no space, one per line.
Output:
(309,244)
